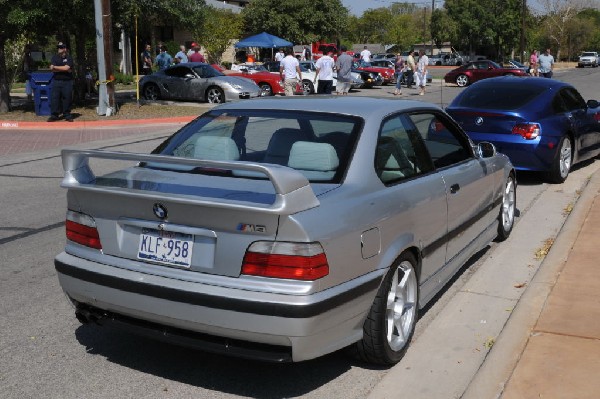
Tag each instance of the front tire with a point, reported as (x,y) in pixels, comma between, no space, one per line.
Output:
(391,322)
(562,162)
(506,218)
(215,95)
(462,80)
(307,87)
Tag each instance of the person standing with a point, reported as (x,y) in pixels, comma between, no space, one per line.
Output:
(146,60)
(399,69)
(365,55)
(324,73)
(422,71)
(533,63)
(163,59)
(196,56)
(343,66)
(279,55)
(181,56)
(289,71)
(61,96)
(546,62)
(411,66)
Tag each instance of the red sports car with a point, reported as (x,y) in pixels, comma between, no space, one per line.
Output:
(477,70)
(386,73)
(269,83)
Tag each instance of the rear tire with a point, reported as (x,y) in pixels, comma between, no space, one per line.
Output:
(151,92)
(265,90)
(307,87)
(506,218)
(390,325)
(562,162)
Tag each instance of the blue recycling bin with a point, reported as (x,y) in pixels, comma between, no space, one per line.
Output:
(41,85)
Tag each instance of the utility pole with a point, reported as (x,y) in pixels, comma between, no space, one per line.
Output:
(431,26)
(106,89)
(522,44)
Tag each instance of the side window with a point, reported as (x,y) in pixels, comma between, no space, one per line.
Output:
(572,100)
(400,153)
(445,145)
(179,72)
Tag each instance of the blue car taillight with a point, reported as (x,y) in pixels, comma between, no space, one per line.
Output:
(528,131)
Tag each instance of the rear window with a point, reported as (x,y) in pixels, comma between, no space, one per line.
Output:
(318,145)
(499,97)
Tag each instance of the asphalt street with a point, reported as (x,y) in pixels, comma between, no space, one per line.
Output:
(45,352)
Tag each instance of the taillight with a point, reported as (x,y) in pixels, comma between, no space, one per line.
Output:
(295,261)
(81,229)
(528,131)
(597,116)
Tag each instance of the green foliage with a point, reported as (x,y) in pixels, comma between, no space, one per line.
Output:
(219,29)
(121,78)
(298,21)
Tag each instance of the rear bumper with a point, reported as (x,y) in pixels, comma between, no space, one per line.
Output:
(301,326)
(530,155)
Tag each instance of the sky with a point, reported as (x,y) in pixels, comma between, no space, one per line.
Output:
(357,7)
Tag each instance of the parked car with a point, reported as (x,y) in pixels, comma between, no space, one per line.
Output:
(283,229)
(307,85)
(383,63)
(357,81)
(270,84)
(517,65)
(588,58)
(541,124)
(477,70)
(198,82)
(386,73)
(384,56)
(446,58)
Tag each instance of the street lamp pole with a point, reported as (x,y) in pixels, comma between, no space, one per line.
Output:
(522,44)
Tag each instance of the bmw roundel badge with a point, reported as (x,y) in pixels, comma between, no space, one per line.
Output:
(478,121)
(160,211)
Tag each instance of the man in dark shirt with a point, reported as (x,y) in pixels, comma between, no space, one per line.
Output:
(62,84)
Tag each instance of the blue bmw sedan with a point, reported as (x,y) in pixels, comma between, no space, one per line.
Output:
(541,124)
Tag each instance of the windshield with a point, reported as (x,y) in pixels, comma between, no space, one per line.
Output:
(588,54)
(207,71)
(318,145)
(499,96)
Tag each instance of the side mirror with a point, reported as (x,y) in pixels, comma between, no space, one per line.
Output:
(486,149)
(593,104)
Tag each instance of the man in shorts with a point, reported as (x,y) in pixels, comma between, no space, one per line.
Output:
(343,66)
(290,73)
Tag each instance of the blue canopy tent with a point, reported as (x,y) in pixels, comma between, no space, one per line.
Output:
(263,40)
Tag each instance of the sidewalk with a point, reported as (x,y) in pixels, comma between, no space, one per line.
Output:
(551,346)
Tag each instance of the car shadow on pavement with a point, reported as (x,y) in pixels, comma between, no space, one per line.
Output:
(213,372)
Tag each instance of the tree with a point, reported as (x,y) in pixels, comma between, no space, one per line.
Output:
(219,29)
(298,21)
(16,17)
(558,15)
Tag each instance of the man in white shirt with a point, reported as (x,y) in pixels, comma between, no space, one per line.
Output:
(365,55)
(279,55)
(421,74)
(289,71)
(324,73)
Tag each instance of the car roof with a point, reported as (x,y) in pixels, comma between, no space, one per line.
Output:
(521,81)
(364,107)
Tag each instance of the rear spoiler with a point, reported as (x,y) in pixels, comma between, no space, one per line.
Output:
(293,192)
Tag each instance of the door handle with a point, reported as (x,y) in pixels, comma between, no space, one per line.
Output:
(454,188)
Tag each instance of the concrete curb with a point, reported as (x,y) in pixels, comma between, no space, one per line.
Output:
(491,379)
(92,124)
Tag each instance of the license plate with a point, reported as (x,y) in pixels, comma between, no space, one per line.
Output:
(166,247)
